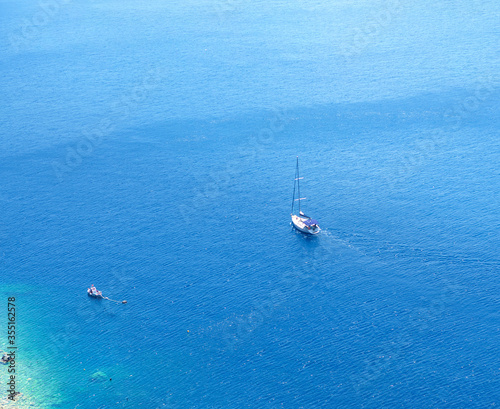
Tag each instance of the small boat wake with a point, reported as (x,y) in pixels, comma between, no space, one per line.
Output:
(330,237)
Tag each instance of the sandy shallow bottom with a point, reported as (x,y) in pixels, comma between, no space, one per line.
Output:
(35,388)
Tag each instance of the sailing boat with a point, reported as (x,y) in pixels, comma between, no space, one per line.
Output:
(302,222)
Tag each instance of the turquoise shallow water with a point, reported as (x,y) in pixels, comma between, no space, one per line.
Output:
(150,150)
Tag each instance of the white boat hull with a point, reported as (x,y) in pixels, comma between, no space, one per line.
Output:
(298,223)
(97,294)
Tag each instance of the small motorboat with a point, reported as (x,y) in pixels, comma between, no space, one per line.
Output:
(92,292)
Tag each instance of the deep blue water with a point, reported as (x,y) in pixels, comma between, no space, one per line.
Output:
(150,150)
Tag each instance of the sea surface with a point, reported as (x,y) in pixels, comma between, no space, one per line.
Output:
(149,148)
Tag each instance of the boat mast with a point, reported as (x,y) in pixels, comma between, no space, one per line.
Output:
(298,181)
(294,183)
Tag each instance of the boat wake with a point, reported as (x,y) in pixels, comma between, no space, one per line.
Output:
(330,238)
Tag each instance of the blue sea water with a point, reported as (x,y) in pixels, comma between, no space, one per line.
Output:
(150,149)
